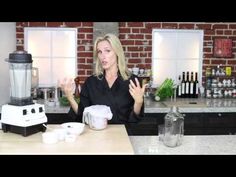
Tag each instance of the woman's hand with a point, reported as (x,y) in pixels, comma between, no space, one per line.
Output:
(136,91)
(68,87)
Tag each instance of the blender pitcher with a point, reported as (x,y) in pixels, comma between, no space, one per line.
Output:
(174,128)
(35,82)
(20,68)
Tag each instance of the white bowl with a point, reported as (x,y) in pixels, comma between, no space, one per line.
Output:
(49,137)
(75,128)
(61,133)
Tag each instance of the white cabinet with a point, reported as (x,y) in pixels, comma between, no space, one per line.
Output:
(54,52)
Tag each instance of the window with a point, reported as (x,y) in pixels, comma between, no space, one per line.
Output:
(174,52)
(54,53)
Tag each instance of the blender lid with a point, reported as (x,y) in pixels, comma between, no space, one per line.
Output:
(20,56)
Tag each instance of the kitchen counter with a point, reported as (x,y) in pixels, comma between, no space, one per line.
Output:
(112,140)
(191,105)
(58,109)
(192,145)
(187,105)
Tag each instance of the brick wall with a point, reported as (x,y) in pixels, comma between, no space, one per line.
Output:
(136,38)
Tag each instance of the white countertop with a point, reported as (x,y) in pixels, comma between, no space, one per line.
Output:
(191,105)
(192,145)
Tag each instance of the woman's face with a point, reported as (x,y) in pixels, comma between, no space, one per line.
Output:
(106,55)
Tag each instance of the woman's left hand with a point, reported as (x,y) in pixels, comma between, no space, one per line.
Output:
(136,91)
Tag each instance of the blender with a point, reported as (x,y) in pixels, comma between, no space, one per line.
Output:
(22,115)
(34,84)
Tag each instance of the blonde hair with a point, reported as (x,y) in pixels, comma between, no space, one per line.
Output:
(118,49)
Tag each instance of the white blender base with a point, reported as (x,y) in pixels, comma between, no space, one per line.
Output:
(24,131)
(25,120)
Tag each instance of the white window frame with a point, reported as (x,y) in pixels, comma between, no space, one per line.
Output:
(156,32)
(43,56)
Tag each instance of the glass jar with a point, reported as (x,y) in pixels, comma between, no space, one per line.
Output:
(174,128)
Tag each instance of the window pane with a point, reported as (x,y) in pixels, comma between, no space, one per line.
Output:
(163,69)
(188,45)
(64,43)
(49,44)
(44,68)
(39,43)
(174,52)
(63,68)
(164,45)
(187,65)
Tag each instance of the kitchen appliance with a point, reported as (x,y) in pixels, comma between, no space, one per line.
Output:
(46,93)
(97,116)
(21,115)
(174,128)
(35,82)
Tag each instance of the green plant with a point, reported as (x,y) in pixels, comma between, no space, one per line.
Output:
(165,90)
(65,102)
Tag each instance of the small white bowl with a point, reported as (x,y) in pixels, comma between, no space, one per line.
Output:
(61,133)
(75,128)
(50,138)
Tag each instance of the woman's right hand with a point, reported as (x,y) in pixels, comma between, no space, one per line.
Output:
(68,87)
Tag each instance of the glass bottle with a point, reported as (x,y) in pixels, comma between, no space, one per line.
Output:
(183,85)
(191,87)
(179,87)
(195,88)
(174,128)
(187,86)
(77,87)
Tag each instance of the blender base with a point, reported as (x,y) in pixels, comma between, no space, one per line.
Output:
(25,131)
(24,120)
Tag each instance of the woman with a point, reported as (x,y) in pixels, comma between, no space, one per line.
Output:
(112,84)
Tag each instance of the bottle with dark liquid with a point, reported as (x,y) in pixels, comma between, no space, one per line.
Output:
(77,87)
(179,91)
(183,85)
(187,86)
(195,89)
(191,87)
